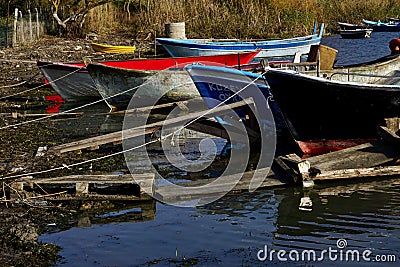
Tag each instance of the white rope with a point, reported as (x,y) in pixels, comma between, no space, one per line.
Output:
(73,109)
(134,148)
(42,85)
(223,102)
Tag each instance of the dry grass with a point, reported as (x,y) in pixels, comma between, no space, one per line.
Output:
(239,18)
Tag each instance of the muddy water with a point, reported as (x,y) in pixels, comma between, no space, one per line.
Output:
(349,224)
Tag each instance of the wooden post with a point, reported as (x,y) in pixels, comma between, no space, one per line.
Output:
(37,24)
(155,43)
(30,25)
(8,16)
(22,28)
(15,27)
(81,188)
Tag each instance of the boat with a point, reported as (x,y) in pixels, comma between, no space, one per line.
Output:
(73,82)
(356,33)
(70,80)
(350,26)
(118,85)
(270,48)
(105,48)
(375,71)
(378,26)
(223,86)
(325,115)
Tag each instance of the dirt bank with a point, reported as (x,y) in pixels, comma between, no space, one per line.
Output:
(22,222)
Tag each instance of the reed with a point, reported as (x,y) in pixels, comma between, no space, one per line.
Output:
(250,18)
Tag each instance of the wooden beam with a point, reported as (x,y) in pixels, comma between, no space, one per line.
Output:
(142,130)
(362,156)
(169,193)
(358,173)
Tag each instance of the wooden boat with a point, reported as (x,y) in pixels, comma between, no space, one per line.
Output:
(378,26)
(118,85)
(72,81)
(350,26)
(224,86)
(218,84)
(331,115)
(374,71)
(270,48)
(356,33)
(104,48)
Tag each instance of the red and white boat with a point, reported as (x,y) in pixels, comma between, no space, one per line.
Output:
(73,82)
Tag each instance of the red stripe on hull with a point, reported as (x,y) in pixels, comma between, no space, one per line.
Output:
(317,147)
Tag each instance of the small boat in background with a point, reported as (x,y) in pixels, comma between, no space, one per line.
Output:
(104,48)
(378,26)
(269,48)
(73,82)
(350,26)
(356,33)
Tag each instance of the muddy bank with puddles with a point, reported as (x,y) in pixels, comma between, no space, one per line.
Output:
(22,98)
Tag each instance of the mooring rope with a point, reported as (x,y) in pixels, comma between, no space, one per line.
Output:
(42,85)
(133,148)
(72,109)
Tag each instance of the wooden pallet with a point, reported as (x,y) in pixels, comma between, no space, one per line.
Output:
(84,186)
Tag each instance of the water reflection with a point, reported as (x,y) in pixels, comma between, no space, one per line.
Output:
(233,229)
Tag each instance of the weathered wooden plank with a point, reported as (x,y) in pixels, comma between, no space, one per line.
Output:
(170,193)
(145,109)
(146,129)
(216,129)
(358,173)
(105,179)
(363,156)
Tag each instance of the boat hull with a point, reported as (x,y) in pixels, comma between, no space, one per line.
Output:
(216,85)
(355,34)
(378,26)
(113,48)
(319,109)
(183,51)
(269,48)
(117,86)
(71,82)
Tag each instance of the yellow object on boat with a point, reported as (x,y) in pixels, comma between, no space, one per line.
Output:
(113,48)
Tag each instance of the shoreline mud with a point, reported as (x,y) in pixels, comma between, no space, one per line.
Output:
(22,221)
